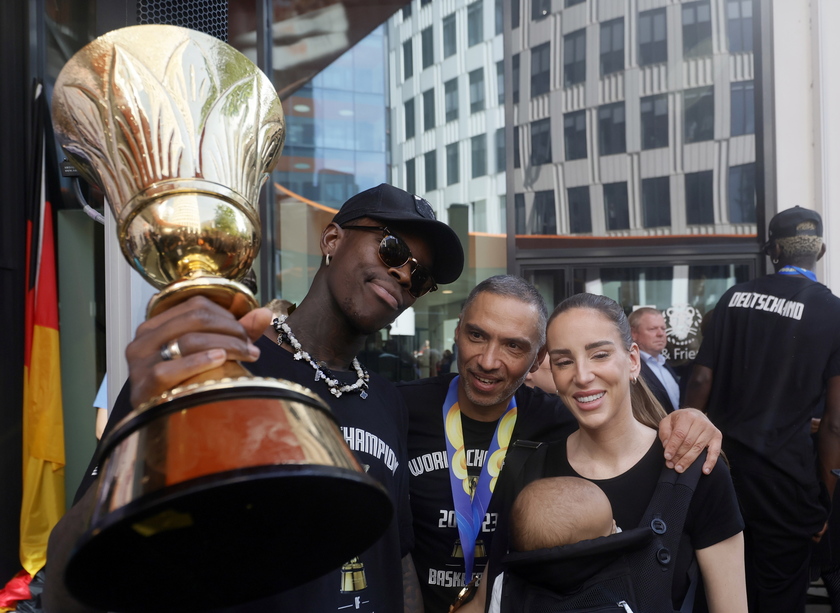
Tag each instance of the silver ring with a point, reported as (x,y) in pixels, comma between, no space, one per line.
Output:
(171,351)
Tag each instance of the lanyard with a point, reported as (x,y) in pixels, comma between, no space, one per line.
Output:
(471,505)
(795,270)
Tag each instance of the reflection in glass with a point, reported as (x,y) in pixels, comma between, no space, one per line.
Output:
(654,110)
(742,101)
(544,213)
(653,37)
(699,104)
(574,57)
(612,46)
(574,135)
(580,214)
(742,193)
(739,24)
(540,69)
(697,29)
(699,205)
(477,90)
(541,142)
(656,202)
(611,129)
(616,208)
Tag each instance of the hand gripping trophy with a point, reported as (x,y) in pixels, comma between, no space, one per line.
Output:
(229,487)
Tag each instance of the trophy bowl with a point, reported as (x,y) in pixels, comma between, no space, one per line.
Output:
(230,487)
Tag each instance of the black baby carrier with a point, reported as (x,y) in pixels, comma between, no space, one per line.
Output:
(631,571)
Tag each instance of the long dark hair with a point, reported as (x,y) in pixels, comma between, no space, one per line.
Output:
(646,408)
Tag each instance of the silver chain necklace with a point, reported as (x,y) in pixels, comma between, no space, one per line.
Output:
(322,373)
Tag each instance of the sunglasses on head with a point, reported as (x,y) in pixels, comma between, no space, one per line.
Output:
(394,253)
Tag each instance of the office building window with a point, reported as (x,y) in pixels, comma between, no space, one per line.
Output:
(612,46)
(450,36)
(427,46)
(429,109)
(616,206)
(699,106)
(573,2)
(742,105)
(699,203)
(514,77)
(514,14)
(656,202)
(574,57)
(739,23)
(478,146)
(475,23)
(611,129)
(697,29)
(406,11)
(541,142)
(653,37)
(410,177)
(409,119)
(519,213)
(540,69)
(545,213)
(742,193)
(479,208)
(425,2)
(580,214)
(500,81)
(477,90)
(500,150)
(453,162)
(408,60)
(574,135)
(430,165)
(517,159)
(654,111)
(500,16)
(450,99)
(540,9)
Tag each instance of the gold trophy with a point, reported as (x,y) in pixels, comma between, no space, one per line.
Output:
(229,487)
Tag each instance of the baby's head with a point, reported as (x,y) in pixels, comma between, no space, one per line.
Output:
(559,511)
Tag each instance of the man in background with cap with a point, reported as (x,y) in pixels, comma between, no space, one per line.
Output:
(382,251)
(770,356)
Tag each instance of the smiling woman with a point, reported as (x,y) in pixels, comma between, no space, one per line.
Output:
(595,367)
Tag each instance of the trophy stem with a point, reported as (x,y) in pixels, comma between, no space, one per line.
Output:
(231,295)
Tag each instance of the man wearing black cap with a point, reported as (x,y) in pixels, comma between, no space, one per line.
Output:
(771,355)
(382,251)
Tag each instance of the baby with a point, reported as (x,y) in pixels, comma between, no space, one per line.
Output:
(549,513)
(559,511)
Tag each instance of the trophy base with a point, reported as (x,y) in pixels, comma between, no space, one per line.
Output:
(223,493)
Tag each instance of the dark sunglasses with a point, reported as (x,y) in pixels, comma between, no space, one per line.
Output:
(394,253)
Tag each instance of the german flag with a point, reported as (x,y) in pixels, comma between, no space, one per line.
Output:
(43,500)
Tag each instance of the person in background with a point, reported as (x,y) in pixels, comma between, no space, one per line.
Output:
(647,326)
(771,355)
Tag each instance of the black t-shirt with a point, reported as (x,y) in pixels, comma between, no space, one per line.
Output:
(713,515)
(382,418)
(772,345)
(539,417)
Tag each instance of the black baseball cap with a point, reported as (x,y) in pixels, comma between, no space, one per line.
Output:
(387,203)
(796,221)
